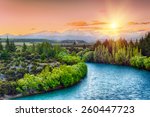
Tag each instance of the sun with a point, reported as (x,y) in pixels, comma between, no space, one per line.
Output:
(113,29)
(114,25)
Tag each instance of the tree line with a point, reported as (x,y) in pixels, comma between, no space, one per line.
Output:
(121,51)
(144,45)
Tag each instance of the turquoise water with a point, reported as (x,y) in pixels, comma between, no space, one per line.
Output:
(104,82)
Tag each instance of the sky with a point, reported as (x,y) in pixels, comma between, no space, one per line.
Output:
(103,16)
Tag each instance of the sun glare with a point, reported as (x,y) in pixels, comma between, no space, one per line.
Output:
(114,25)
(113,29)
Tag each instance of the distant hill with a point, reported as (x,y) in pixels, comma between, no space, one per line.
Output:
(56,36)
(45,40)
(70,35)
(74,41)
(29,40)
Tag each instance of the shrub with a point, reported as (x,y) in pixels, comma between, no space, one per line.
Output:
(140,62)
(68,59)
(64,76)
(147,63)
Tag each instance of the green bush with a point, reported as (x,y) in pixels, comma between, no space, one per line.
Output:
(65,76)
(137,61)
(140,62)
(68,59)
(147,63)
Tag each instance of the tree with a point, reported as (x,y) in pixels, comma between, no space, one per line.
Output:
(144,45)
(24,47)
(88,56)
(116,52)
(4,55)
(97,44)
(101,54)
(46,49)
(12,47)
(43,56)
(106,43)
(121,57)
(131,43)
(33,47)
(137,43)
(7,46)
(1,46)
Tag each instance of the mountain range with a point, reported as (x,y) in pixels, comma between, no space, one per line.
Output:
(87,36)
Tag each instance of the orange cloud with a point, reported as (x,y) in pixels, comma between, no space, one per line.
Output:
(83,23)
(79,23)
(98,23)
(138,23)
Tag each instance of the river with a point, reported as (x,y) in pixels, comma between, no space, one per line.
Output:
(104,82)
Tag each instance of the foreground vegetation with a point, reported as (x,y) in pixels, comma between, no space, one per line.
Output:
(37,68)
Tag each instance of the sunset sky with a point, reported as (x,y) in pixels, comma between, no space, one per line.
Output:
(104,16)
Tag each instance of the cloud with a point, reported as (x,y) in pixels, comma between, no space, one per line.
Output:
(138,23)
(96,22)
(79,23)
(33,28)
(99,23)
(83,23)
(100,26)
(91,28)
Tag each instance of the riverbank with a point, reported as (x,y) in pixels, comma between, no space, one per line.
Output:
(104,82)
(38,93)
(127,65)
(8,97)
